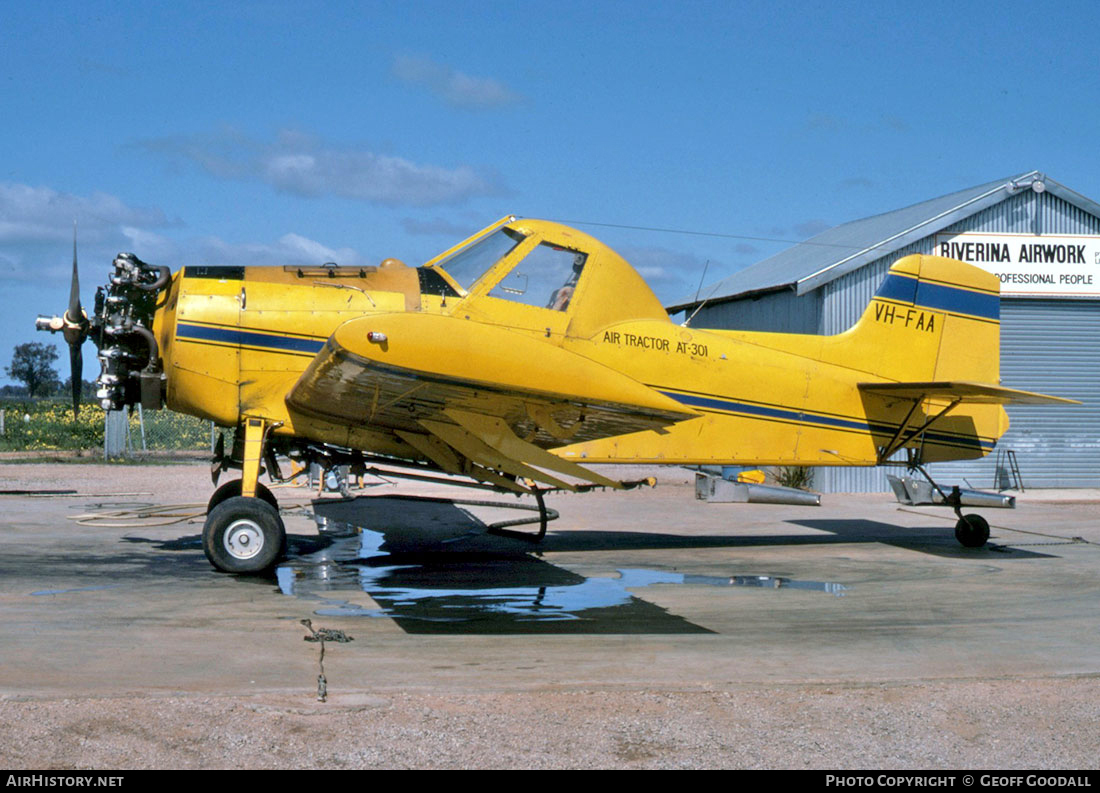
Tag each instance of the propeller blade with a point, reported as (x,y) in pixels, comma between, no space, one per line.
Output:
(75,330)
(76,313)
(76,361)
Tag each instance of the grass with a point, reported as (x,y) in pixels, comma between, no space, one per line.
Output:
(45,425)
(796,476)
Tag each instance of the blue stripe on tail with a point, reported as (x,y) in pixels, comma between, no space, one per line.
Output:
(939,296)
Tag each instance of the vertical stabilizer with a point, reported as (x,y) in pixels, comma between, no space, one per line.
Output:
(931,319)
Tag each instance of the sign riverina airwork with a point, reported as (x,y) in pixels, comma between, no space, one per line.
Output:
(1029,265)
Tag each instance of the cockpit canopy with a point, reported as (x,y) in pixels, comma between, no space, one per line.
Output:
(549,267)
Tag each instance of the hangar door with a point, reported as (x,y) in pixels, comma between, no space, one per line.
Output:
(1053,346)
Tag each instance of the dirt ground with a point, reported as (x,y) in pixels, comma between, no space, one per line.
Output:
(1021,724)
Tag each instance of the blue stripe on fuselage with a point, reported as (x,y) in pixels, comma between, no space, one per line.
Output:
(781,414)
(248,338)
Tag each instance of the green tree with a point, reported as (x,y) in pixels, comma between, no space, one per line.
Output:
(32,365)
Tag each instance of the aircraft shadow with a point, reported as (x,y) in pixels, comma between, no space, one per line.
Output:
(431,567)
(419,525)
(935,540)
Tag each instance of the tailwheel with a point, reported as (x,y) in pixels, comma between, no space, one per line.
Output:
(972,531)
(243,535)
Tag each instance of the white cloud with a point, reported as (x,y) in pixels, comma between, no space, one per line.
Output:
(311,251)
(303,165)
(370,177)
(290,166)
(152,246)
(50,263)
(36,229)
(291,248)
(36,232)
(40,213)
(455,88)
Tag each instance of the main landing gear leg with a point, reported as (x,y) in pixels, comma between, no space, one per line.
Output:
(972,531)
(244,532)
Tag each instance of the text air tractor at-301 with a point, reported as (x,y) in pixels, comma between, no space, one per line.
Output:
(522,355)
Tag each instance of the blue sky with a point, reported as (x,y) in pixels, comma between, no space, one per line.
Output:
(299,132)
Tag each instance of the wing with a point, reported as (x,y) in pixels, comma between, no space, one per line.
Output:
(475,398)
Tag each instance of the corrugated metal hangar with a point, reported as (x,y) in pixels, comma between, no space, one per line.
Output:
(1041,237)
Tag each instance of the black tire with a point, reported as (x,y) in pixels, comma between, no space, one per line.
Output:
(233,488)
(243,535)
(972,531)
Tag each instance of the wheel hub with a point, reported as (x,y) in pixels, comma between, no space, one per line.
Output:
(243,539)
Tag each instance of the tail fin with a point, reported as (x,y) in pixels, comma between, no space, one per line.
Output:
(933,328)
(931,319)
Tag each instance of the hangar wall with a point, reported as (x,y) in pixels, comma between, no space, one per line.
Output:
(782,312)
(1047,345)
(1052,346)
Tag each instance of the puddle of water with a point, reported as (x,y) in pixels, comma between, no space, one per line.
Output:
(482,591)
(768,582)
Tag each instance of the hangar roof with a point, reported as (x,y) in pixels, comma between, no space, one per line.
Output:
(830,254)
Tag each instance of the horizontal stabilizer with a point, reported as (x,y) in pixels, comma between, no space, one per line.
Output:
(974,393)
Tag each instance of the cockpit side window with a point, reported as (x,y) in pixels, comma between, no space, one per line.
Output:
(546,278)
(468,265)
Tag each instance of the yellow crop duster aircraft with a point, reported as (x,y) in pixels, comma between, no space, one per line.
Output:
(523,354)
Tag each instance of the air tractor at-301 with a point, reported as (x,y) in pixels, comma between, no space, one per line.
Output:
(517,358)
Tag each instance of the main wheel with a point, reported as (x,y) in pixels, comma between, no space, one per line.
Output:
(234,488)
(972,531)
(243,535)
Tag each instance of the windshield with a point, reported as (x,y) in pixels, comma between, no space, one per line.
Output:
(466,266)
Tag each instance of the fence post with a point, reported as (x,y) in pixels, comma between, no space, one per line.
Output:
(116,430)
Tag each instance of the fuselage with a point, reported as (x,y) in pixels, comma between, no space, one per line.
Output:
(235,341)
